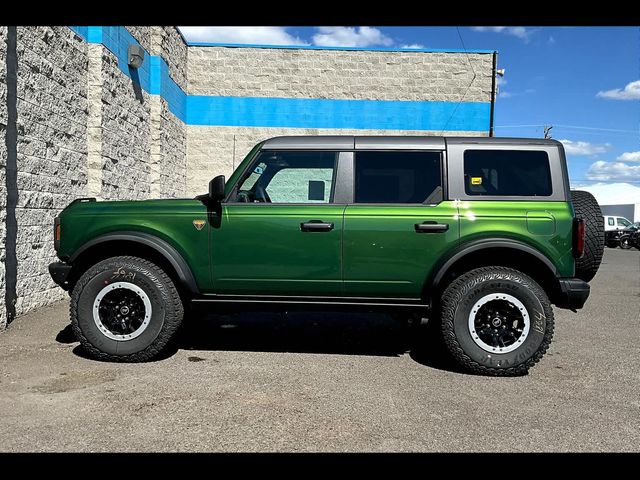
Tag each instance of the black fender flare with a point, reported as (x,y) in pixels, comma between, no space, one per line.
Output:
(161,246)
(477,245)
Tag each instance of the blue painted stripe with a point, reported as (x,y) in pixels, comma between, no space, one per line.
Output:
(155,77)
(340,114)
(94,34)
(82,31)
(317,47)
(174,95)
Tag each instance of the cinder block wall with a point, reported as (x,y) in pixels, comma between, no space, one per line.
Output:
(292,73)
(3,166)
(84,128)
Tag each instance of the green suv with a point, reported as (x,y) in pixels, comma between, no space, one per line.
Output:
(479,235)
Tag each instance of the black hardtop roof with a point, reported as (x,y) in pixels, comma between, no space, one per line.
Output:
(383,142)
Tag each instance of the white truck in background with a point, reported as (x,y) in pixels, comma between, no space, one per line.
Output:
(612,222)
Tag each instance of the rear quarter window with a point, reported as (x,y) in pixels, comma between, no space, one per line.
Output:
(518,173)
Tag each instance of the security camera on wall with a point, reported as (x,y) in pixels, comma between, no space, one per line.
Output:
(135,56)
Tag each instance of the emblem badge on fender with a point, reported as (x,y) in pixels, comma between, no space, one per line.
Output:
(198,224)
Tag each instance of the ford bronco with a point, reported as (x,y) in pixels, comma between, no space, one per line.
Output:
(481,236)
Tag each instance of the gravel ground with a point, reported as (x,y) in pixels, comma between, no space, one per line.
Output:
(327,382)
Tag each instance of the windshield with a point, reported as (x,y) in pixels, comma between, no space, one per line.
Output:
(624,222)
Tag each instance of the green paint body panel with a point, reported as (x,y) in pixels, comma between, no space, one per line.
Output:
(384,256)
(261,249)
(170,220)
(373,251)
(545,226)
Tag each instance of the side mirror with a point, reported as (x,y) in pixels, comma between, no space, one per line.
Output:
(216,188)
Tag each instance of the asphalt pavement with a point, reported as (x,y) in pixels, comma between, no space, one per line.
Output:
(327,382)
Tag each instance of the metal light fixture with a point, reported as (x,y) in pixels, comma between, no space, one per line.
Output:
(135,55)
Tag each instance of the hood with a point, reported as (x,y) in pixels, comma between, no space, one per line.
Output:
(96,207)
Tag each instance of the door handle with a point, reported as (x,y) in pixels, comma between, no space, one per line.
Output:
(316,226)
(431,227)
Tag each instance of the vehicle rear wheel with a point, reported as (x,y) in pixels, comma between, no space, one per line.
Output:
(587,208)
(496,321)
(125,309)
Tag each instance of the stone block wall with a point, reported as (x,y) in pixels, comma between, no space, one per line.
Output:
(173,49)
(126,134)
(173,145)
(339,74)
(3,166)
(84,128)
(51,150)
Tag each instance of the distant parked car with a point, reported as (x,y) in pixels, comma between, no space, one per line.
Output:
(612,222)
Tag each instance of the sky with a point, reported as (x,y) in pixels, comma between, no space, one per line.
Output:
(583,81)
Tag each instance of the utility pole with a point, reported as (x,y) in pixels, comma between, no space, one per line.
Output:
(547,129)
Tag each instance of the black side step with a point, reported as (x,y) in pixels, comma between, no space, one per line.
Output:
(275,302)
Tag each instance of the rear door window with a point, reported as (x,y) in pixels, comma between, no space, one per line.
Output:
(398,177)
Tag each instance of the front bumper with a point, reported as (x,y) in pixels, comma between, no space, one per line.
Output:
(59,271)
(573,293)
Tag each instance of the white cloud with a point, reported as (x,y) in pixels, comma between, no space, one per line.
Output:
(413,45)
(629,157)
(245,35)
(501,81)
(503,94)
(613,171)
(351,37)
(630,92)
(584,148)
(551,40)
(520,32)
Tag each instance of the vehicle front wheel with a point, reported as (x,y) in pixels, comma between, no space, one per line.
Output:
(496,321)
(125,309)
(625,242)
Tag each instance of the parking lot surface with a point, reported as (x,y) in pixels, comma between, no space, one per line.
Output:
(327,382)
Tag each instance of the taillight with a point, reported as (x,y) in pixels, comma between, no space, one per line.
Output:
(57,233)
(578,237)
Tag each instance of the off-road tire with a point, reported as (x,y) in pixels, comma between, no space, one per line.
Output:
(165,320)
(457,302)
(587,208)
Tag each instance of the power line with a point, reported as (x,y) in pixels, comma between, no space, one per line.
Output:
(468,86)
(637,132)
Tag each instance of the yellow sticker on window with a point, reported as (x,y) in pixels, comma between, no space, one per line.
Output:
(476,180)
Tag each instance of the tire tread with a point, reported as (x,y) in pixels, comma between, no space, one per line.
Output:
(587,208)
(166,335)
(459,289)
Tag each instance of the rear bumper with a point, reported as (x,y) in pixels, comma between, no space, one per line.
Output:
(59,272)
(573,293)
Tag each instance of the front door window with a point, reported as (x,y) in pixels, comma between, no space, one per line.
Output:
(288,177)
